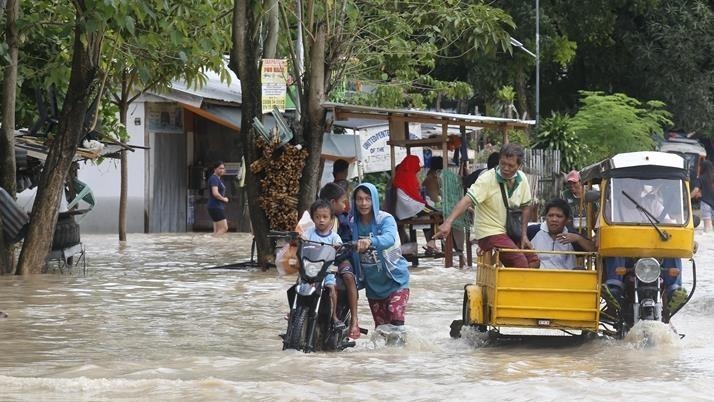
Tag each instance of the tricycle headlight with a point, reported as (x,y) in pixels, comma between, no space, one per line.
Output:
(647,270)
(312,268)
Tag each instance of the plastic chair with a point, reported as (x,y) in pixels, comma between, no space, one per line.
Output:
(84,193)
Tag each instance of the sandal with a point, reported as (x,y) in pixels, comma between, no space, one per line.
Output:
(431,251)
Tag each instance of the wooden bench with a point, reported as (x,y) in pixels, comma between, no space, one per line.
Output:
(434,221)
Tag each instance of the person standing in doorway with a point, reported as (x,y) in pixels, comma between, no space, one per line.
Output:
(217,199)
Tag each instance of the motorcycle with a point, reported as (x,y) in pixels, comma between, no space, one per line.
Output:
(646,227)
(310,325)
(644,295)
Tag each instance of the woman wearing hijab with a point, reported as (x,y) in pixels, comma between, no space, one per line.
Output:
(409,201)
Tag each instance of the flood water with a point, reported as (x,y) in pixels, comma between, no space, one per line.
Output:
(148,322)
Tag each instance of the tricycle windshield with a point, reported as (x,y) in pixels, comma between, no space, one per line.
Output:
(645,201)
(318,252)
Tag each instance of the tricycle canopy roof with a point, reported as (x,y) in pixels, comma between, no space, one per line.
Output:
(643,164)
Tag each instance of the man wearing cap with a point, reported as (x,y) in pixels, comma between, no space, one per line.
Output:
(573,195)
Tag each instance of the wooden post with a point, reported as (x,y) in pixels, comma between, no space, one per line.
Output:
(449,246)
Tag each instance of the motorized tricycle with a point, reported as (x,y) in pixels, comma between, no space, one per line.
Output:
(644,221)
(310,325)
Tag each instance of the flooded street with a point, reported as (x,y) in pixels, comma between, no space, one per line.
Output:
(148,322)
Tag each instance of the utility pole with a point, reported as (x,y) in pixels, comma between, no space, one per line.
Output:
(537,59)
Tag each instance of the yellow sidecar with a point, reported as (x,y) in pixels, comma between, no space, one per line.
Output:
(532,301)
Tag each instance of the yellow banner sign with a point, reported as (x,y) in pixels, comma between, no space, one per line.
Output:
(274,76)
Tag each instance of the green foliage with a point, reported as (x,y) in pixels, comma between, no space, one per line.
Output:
(110,124)
(495,137)
(504,106)
(397,44)
(519,137)
(563,50)
(671,60)
(611,124)
(506,94)
(389,96)
(172,40)
(556,132)
(146,45)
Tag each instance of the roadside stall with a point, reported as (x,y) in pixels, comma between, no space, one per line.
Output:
(399,121)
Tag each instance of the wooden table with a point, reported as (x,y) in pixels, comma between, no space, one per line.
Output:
(434,221)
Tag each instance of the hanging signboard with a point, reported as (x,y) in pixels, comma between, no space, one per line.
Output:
(274,76)
(375,153)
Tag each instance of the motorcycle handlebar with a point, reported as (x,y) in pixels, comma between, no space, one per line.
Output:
(283,234)
(295,236)
(352,245)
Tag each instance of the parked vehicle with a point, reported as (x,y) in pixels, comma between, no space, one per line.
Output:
(310,325)
(568,300)
(689,149)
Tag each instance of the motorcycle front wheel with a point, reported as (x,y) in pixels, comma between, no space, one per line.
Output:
(296,335)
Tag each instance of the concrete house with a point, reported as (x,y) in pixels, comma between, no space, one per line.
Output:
(181,133)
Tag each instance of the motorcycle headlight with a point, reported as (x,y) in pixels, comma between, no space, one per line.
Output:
(647,270)
(312,268)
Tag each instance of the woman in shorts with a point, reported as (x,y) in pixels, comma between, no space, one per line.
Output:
(217,200)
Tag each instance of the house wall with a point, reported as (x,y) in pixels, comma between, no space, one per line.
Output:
(105,178)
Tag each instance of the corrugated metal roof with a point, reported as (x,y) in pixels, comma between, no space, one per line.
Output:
(359,124)
(214,90)
(344,111)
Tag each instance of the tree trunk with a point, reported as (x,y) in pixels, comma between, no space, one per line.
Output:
(124,185)
(123,188)
(313,118)
(273,22)
(245,62)
(7,138)
(37,244)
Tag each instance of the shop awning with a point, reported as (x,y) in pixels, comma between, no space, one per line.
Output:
(218,118)
(227,116)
